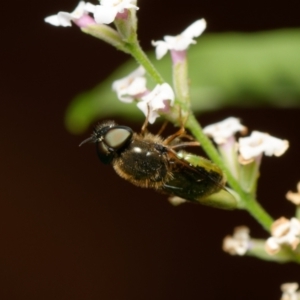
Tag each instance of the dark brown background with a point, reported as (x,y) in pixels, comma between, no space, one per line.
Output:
(69,227)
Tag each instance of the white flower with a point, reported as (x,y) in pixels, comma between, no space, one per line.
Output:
(64,18)
(160,98)
(284,232)
(131,86)
(106,12)
(259,143)
(238,244)
(289,291)
(294,197)
(224,130)
(180,42)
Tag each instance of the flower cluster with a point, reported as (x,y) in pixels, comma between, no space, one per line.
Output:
(285,236)
(151,103)
(249,148)
(290,291)
(105,13)
(254,146)
(225,130)
(284,232)
(243,156)
(239,242)
(132,87)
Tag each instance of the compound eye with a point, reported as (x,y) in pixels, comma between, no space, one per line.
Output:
(104,154)
(117,137)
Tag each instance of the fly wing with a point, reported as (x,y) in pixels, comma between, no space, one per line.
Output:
(200,181)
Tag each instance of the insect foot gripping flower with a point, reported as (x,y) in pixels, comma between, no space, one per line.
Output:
(108,10)
(160,99)
(294,197)
(238,244)
(284,232)
(254,146)
(132,86)
(79,16)
(289,291)
(180,43)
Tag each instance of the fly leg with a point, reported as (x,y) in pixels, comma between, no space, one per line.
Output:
(144,127)
(180,134)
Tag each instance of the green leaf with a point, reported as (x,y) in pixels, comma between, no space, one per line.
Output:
(226,69)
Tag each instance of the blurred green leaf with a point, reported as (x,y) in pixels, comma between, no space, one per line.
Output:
(226,69)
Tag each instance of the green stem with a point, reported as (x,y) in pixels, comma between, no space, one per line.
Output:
(250,204)
(181,85)
(140,56)
(106,34)
(286,254)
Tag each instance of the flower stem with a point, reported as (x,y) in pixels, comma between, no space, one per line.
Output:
(140,56)
(181,85)
(249,203)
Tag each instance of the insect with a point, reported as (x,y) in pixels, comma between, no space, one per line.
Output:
(149,161)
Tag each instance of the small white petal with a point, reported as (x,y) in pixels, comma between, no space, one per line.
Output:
(295,226)
(258,143)
(178,43)
(138,86)
(289,287)
(139,72)
(108,10)
(195,29)
(224,130)
(55,21)
(157,100)
(121,4)
(182,41)
(144,106)
(294,197)
(284,232)
(130,86)
(161,48)
(105,15)
(64,18)
(108,2)
(280,227)
(168,92)
(79,10)
(172,41)
(158,95)
(89,7)
(272,246)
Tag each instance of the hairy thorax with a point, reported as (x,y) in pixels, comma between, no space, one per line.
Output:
(144,162)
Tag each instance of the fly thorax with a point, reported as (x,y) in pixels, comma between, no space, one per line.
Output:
(144,163)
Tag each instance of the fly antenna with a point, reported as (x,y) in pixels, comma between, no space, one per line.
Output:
(88,140)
